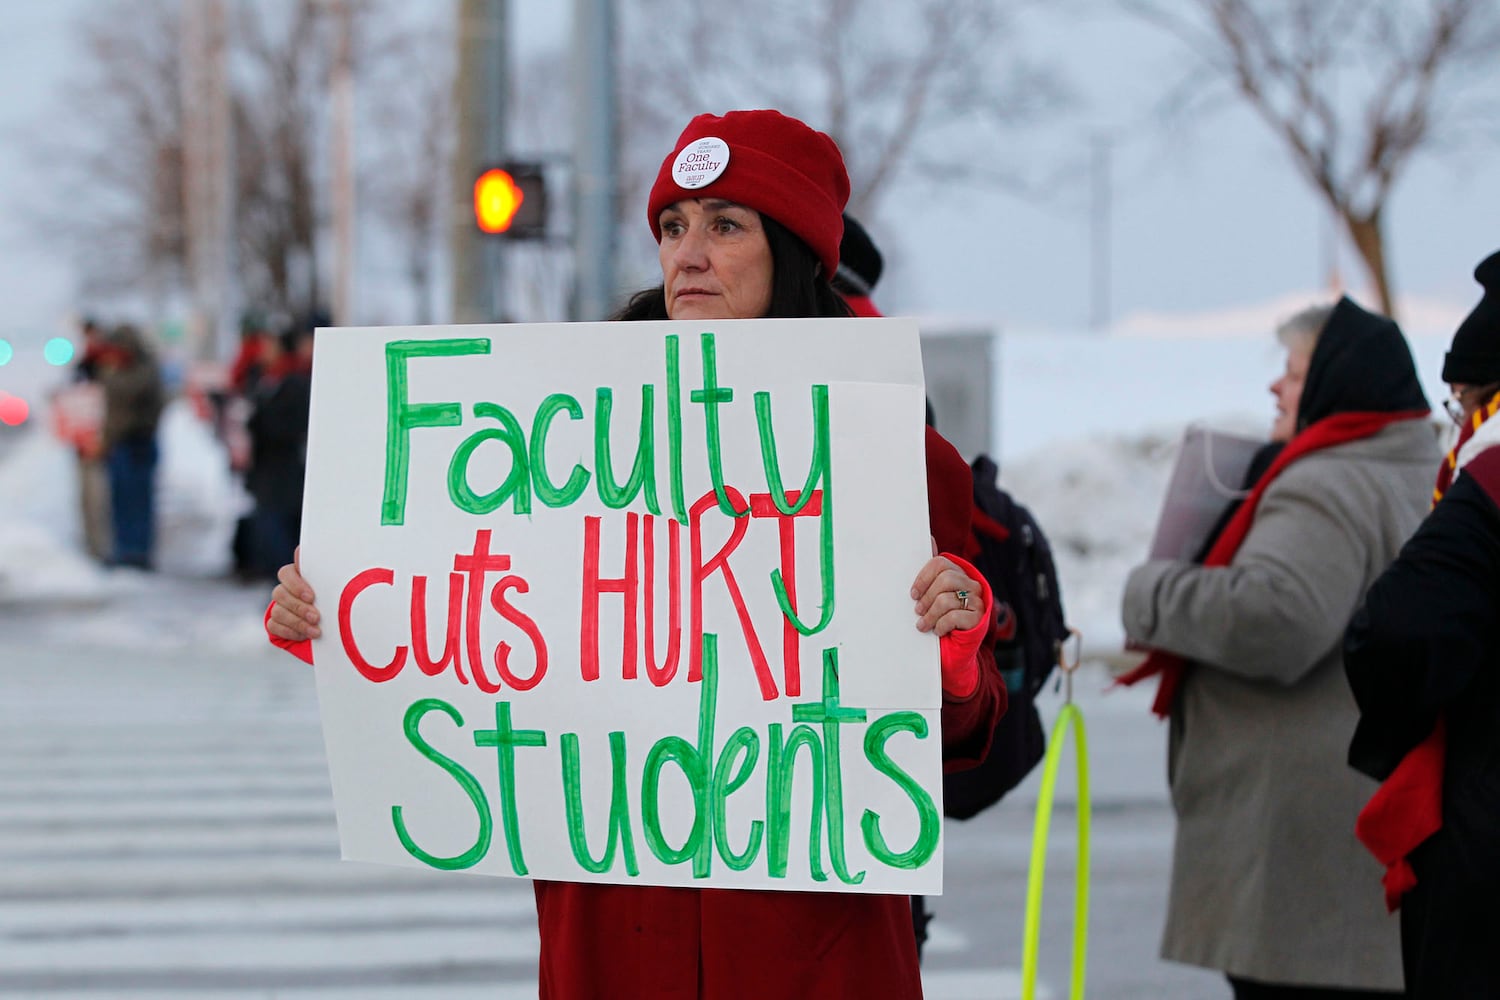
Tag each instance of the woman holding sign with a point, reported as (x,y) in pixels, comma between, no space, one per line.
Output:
(747,210)
(1269,885)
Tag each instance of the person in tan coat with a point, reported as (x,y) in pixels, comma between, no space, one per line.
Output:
(1269,884)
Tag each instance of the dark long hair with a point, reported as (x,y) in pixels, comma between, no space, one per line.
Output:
(798,286)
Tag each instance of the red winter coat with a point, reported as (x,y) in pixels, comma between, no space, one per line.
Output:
(633,942)
(629,942)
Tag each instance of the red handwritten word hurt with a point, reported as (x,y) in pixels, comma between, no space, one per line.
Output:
(470,577)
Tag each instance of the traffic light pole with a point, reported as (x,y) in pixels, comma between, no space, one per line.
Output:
(481,99)
(595,159)
(206,154)
(342,86)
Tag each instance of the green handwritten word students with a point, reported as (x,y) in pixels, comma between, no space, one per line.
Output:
(747,210)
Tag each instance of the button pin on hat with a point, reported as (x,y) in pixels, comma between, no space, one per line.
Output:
(701,162)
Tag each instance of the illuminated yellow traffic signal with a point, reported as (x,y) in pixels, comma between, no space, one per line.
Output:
(511,200)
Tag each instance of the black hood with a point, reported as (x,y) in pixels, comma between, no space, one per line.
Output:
(1361,363)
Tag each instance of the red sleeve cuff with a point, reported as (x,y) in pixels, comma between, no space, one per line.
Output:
(300,648)
(959,650)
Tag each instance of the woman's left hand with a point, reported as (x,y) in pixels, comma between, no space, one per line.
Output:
(948,599)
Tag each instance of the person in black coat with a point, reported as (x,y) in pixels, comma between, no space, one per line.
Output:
(278,451)
(1423,659)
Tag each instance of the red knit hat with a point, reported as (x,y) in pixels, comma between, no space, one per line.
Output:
(765,161)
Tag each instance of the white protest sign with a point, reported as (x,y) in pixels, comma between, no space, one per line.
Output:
(555,578)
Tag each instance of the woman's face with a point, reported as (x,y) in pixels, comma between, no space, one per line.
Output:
(715,260)
(1288,392)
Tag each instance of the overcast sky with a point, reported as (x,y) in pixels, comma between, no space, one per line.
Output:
(1206,221)
(1213,219)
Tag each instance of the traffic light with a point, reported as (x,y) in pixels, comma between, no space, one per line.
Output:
(13,410)
(511,200)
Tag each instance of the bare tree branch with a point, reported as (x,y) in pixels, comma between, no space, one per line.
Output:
(885,80)
(1353,89)
(118,172)
(116,167)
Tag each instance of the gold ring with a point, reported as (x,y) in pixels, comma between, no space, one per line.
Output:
(963,599)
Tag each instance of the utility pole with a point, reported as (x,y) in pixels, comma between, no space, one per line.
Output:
(1099,228)
(595,158)
(482,94)
(206,164)
(341,84)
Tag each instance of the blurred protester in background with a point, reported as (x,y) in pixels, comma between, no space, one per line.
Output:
(93,478)
(249,361)
(280,406)
(1268,882)
(1423,658)
(94,340)
(234,406)
(133,400)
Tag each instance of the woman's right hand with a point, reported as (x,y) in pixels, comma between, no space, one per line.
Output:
(293,615)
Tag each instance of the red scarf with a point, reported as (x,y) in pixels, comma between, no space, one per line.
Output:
(1407,808)
(1341,428)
